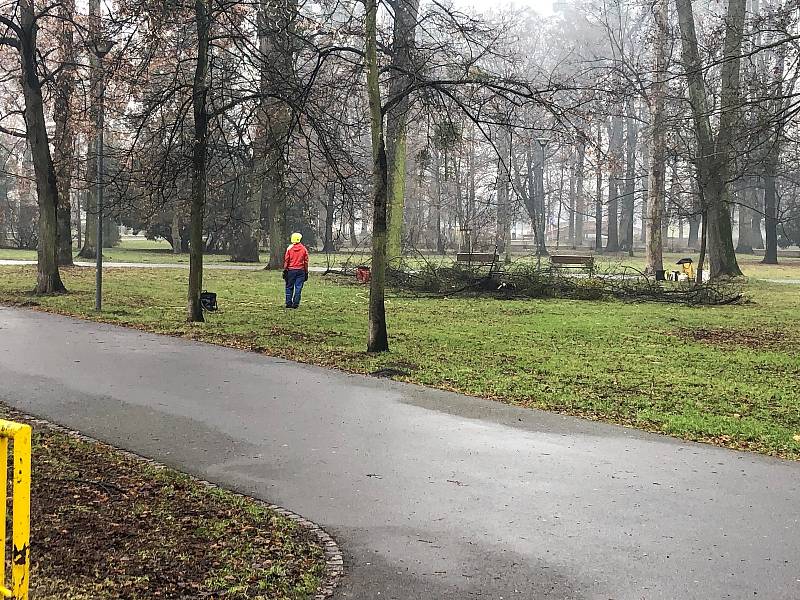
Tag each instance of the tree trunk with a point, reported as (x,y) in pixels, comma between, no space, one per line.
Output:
(244,246)
(351,226)
(541,241)
(199,155)
(744,245)
(77,214)
(48,279)
(90,226)
(780,104)
(90,236)
(330,205)
(378,340)
(401,68)
(278,48)
(714,156)
(615,156)
(695,217)
(598,201)
(580,200)
(64,142)
(645,182)
(756,235)
(643,208)
(658,156)
(503,226)
(571,205)
(629,201)
(396,155)
(701,263)
(770,220)
(175,231)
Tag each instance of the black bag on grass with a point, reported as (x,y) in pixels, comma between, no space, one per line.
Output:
(208,300)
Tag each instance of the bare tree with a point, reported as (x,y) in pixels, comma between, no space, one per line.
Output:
(658,152)
(714,152)
(22,35)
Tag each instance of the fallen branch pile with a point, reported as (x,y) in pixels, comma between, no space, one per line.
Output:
(529,282)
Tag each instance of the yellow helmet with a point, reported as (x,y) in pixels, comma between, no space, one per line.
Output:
(296,237)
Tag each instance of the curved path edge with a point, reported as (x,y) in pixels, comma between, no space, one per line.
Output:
(334,562)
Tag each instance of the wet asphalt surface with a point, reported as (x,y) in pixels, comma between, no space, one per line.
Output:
(431,495)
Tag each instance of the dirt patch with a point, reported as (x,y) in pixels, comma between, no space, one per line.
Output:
(300,336)
(735,339)
(106,525)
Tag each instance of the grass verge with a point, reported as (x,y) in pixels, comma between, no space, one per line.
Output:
(728,375)
(106,525)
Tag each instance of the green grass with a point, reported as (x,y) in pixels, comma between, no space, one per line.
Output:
(728,375)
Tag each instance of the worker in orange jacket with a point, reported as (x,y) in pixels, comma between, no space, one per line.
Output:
(295,270)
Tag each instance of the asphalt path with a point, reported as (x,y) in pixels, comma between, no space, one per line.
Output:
(431,495)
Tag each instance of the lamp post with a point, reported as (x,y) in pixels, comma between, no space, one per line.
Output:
(540,225)
(101,49)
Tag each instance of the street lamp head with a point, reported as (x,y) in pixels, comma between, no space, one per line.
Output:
(542,141)
(103,46)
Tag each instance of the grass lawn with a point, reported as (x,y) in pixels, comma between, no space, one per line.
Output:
(163,535)
(729,375)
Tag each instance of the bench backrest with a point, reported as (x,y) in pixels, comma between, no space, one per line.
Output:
(477,257)
(564,259)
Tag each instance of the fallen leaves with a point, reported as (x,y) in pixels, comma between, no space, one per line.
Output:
(108,526)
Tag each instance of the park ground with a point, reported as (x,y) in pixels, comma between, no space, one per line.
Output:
(143,251)
(728,375)
(107,525)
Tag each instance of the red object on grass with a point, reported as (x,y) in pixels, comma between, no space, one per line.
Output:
(363,274)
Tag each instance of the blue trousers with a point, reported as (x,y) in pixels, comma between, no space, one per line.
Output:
(295,279)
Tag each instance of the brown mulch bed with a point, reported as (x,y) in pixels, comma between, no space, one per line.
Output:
(106,525)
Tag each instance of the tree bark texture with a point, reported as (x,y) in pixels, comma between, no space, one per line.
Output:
(48,278)
(330,206)
(401,77)
(378,338)
(658,155)
(715,155)
(199,156)
(770,220)
(580,200)
(598,199)
(615,150)
(88,250)
(276,22)
(571,204)
(503,225)
(64,142)
(628,202)
(744,245)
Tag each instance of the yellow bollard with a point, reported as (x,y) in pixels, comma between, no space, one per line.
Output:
(20,506)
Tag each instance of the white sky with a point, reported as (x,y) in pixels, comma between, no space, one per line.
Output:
(543,7)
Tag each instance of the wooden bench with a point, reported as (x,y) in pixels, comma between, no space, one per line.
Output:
(569,261)
(479,259)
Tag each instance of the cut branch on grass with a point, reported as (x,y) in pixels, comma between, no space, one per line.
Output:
(524,282)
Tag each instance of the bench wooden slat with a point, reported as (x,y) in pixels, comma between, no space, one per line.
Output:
(564,259)
(477,258)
